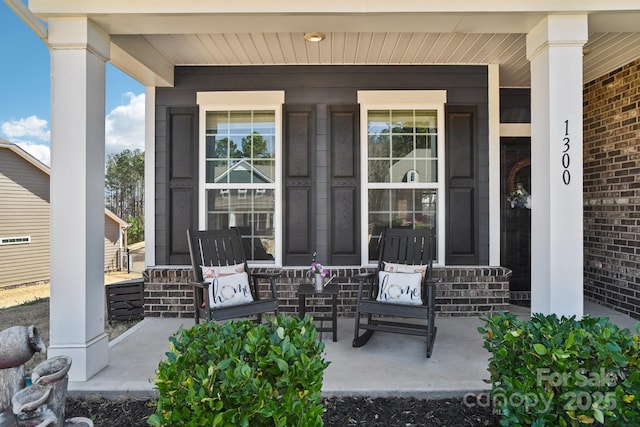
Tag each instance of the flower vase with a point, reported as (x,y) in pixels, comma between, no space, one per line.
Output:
(318,282)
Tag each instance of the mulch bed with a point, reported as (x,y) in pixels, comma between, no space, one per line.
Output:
(339,412)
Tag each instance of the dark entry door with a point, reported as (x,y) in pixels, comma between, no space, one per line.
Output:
(515,186)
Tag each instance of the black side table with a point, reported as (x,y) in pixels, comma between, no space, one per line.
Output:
(307,289)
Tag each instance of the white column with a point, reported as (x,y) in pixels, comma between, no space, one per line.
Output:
(554,48)
(494,164)
(79,51)
(150,176)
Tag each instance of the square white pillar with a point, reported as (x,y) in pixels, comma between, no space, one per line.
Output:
(554,48)
(78,54)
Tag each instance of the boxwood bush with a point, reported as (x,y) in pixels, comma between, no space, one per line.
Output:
(242,374)
(552,371)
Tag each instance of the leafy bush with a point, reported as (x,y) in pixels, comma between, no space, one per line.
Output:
(135,233)
(241,373)
(562,372)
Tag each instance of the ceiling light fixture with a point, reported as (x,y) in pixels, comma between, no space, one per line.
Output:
(314,37)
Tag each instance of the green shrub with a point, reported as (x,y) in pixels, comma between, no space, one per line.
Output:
(135,232)
(562,372)
(241,373)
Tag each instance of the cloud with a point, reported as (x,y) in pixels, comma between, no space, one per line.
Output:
(31,127)
(124,129)
(39,151)
(31,134)
(124,125)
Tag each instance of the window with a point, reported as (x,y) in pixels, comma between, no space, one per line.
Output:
(240,156)
(403,164)
(412,176)
(15,240)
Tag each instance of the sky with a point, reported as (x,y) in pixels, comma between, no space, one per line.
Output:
(25,95)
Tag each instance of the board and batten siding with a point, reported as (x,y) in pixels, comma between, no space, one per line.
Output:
(23,213)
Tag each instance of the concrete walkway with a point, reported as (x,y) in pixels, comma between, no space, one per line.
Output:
(389,365)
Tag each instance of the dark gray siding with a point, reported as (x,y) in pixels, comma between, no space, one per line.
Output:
(324,88)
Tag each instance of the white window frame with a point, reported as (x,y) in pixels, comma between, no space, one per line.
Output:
(243,101)
(401,100)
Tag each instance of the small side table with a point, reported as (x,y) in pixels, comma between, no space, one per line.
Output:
(332,289)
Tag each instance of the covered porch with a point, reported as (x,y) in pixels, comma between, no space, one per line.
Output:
(551,49)
(389,365)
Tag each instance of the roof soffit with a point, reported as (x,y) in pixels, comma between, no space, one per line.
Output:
(152,36)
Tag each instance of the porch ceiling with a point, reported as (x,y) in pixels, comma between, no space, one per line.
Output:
(605,51)
(147,42)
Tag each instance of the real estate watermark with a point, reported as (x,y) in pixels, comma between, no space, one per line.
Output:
(541,401)
(578,378)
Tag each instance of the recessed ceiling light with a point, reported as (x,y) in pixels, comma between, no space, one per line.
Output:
(314,37)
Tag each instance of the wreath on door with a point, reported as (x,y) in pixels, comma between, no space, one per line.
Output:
(517,195)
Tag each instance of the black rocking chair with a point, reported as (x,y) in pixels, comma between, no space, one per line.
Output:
(401,251)
(220,250)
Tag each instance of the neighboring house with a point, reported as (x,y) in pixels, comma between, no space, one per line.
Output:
(401,113)
(253,206)
(115,242)
(25,225)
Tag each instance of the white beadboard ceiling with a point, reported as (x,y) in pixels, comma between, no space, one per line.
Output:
(150,37)
(604,51)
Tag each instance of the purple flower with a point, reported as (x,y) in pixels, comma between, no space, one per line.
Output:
(317,268)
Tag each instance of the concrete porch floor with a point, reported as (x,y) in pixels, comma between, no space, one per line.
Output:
(389,365)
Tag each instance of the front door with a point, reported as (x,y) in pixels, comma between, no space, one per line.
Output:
(516,204)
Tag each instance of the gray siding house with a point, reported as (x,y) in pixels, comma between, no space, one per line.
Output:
(25,220)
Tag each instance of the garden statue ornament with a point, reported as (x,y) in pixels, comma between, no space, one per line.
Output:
(42,403)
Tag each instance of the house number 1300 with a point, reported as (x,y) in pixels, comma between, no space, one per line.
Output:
(566,175)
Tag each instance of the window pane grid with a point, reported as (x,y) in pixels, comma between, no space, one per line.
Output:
(240,147)
(402,146)
(240,173)
(403,208)
(252,211)
(402,170)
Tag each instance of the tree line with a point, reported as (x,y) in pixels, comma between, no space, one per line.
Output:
(124,190)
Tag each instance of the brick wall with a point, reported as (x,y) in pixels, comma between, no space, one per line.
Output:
(464,291)
(612,189)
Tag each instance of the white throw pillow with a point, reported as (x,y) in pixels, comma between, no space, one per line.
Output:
(399,288)
(211,272)
(228,290)
(405,268)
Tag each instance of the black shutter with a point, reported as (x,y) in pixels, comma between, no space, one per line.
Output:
(182,177)
(461,186)
(344,219)
(299,194)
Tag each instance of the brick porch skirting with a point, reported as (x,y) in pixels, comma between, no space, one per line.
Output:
(462,291)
